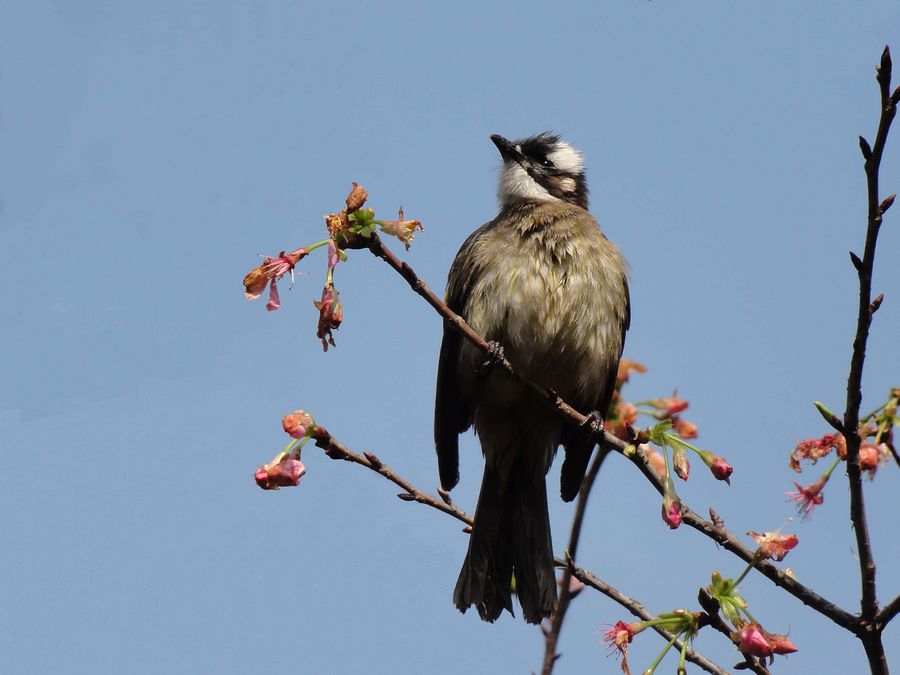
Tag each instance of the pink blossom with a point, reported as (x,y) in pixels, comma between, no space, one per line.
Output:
(774,545)
(284,473)
(754,640)
(807,498)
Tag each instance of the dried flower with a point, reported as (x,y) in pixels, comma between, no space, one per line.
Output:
(285,472)
(331,313)
(813,449)
(298,424)
(774,545)
(404,230)
(271,270)
(807,498)
(334,255)
(356,198)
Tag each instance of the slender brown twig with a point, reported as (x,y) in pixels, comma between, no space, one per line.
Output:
(565,591)
(870,635)
(641,612)
(337,450)
(889,611)
(718,534)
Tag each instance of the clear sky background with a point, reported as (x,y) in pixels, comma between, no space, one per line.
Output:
(150,151)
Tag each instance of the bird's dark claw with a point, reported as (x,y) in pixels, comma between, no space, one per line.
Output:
(592,426)
(493,356)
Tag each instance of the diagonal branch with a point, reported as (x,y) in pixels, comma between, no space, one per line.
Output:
(888,612)
(641,612)
(337,450)
(717,534)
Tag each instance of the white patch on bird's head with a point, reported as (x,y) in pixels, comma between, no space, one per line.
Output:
(566,158)
(515,184)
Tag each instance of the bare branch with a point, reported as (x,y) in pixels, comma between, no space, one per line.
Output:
(337,450)
(888,612)
(565,594)
(870,632)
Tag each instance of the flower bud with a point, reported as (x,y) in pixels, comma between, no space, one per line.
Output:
(297,424)
(680,463)
(284,473)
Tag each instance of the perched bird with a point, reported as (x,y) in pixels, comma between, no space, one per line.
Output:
(542,283)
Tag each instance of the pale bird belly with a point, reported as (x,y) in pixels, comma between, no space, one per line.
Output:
(557,323)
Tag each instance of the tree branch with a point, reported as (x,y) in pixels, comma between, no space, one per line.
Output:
(565,593)
(871,631)
(641,612)
(567,412)
(888,612)
(337,450)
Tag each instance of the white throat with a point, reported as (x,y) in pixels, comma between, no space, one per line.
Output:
(515,184)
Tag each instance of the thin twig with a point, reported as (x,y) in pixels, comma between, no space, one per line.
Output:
(730,542)
(565,594)
(717,534)
(871,631)
(641,612)
(888,612)
(712,619)
(337,450)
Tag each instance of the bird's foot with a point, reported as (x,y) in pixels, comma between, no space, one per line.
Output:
(592,426)
(493,356)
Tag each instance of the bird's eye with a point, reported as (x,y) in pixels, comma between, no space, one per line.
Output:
(546,162)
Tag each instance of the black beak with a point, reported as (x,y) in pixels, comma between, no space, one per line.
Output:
(507,150)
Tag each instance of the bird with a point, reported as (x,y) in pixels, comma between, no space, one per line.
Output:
(549,291)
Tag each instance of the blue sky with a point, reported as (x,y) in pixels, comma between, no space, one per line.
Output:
(149,152)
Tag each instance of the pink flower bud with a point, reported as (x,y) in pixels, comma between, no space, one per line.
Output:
(669,405)
(721,469)
(755,640)
(297,424)
(752,641)
(671,513)
(680,463)
(683,428)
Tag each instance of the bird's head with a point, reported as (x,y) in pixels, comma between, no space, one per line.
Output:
(541,168)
